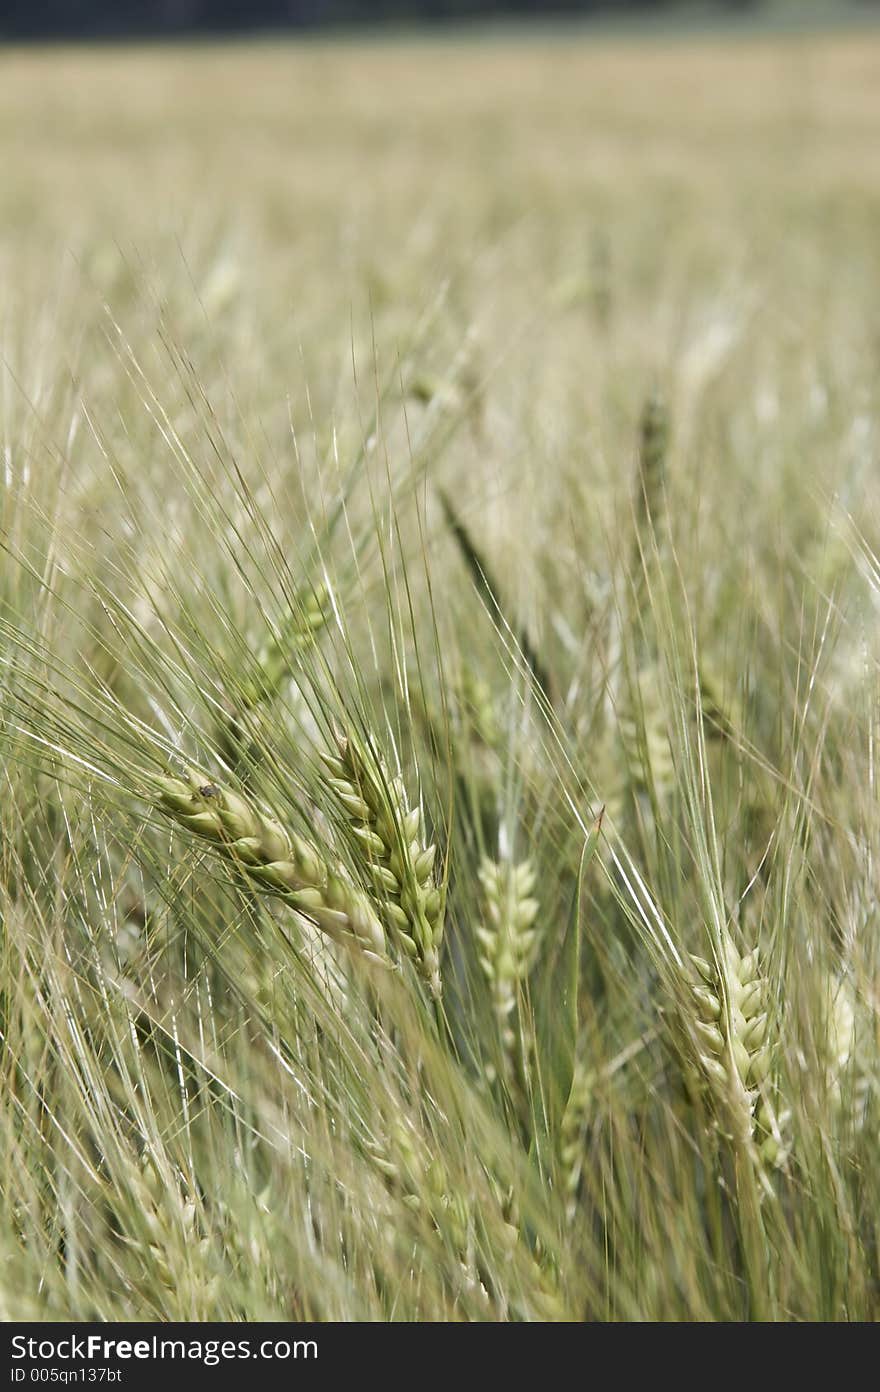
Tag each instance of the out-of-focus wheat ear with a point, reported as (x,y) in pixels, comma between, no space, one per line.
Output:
(171,1238)
(275,659)
(490,593)
(419,1180)
(731,1032)
(508,940)
(391,838)
(644,739)
(847,1073)
(476,708)
(274,859)
(459,391)
(653,450)
(650,540)
(572,1138)
(722,707)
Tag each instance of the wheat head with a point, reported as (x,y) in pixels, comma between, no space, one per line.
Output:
(400,862)
(275,860)
(507,937)
(730,1025)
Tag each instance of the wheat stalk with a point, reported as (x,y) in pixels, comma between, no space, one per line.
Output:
(275,860)
(400,862)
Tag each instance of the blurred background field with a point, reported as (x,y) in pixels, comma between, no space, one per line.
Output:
(172,18)
(602,217)
(616,202)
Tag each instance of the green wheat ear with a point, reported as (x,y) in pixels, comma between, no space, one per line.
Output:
(573,1133)
(653,451)
(844,1053)
(508,939)
(649,541)
(644,741)
(399,861)
(477,708)
(275,860)
(730,1027)
(276,658)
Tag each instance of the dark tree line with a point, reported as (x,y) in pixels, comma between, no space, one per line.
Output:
(97,18)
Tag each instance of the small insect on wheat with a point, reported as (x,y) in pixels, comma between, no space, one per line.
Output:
(275,859)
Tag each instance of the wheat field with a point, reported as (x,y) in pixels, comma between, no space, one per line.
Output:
(439,685)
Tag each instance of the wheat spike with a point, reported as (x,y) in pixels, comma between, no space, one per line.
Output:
(275,859)
(274,659)
(653,448)
(847,1073)
(572,1138)
(730,1029)
(722,706)
(392,837)
(476,709)
(507,938)
(644,742)
(650,542)
(404,1157)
